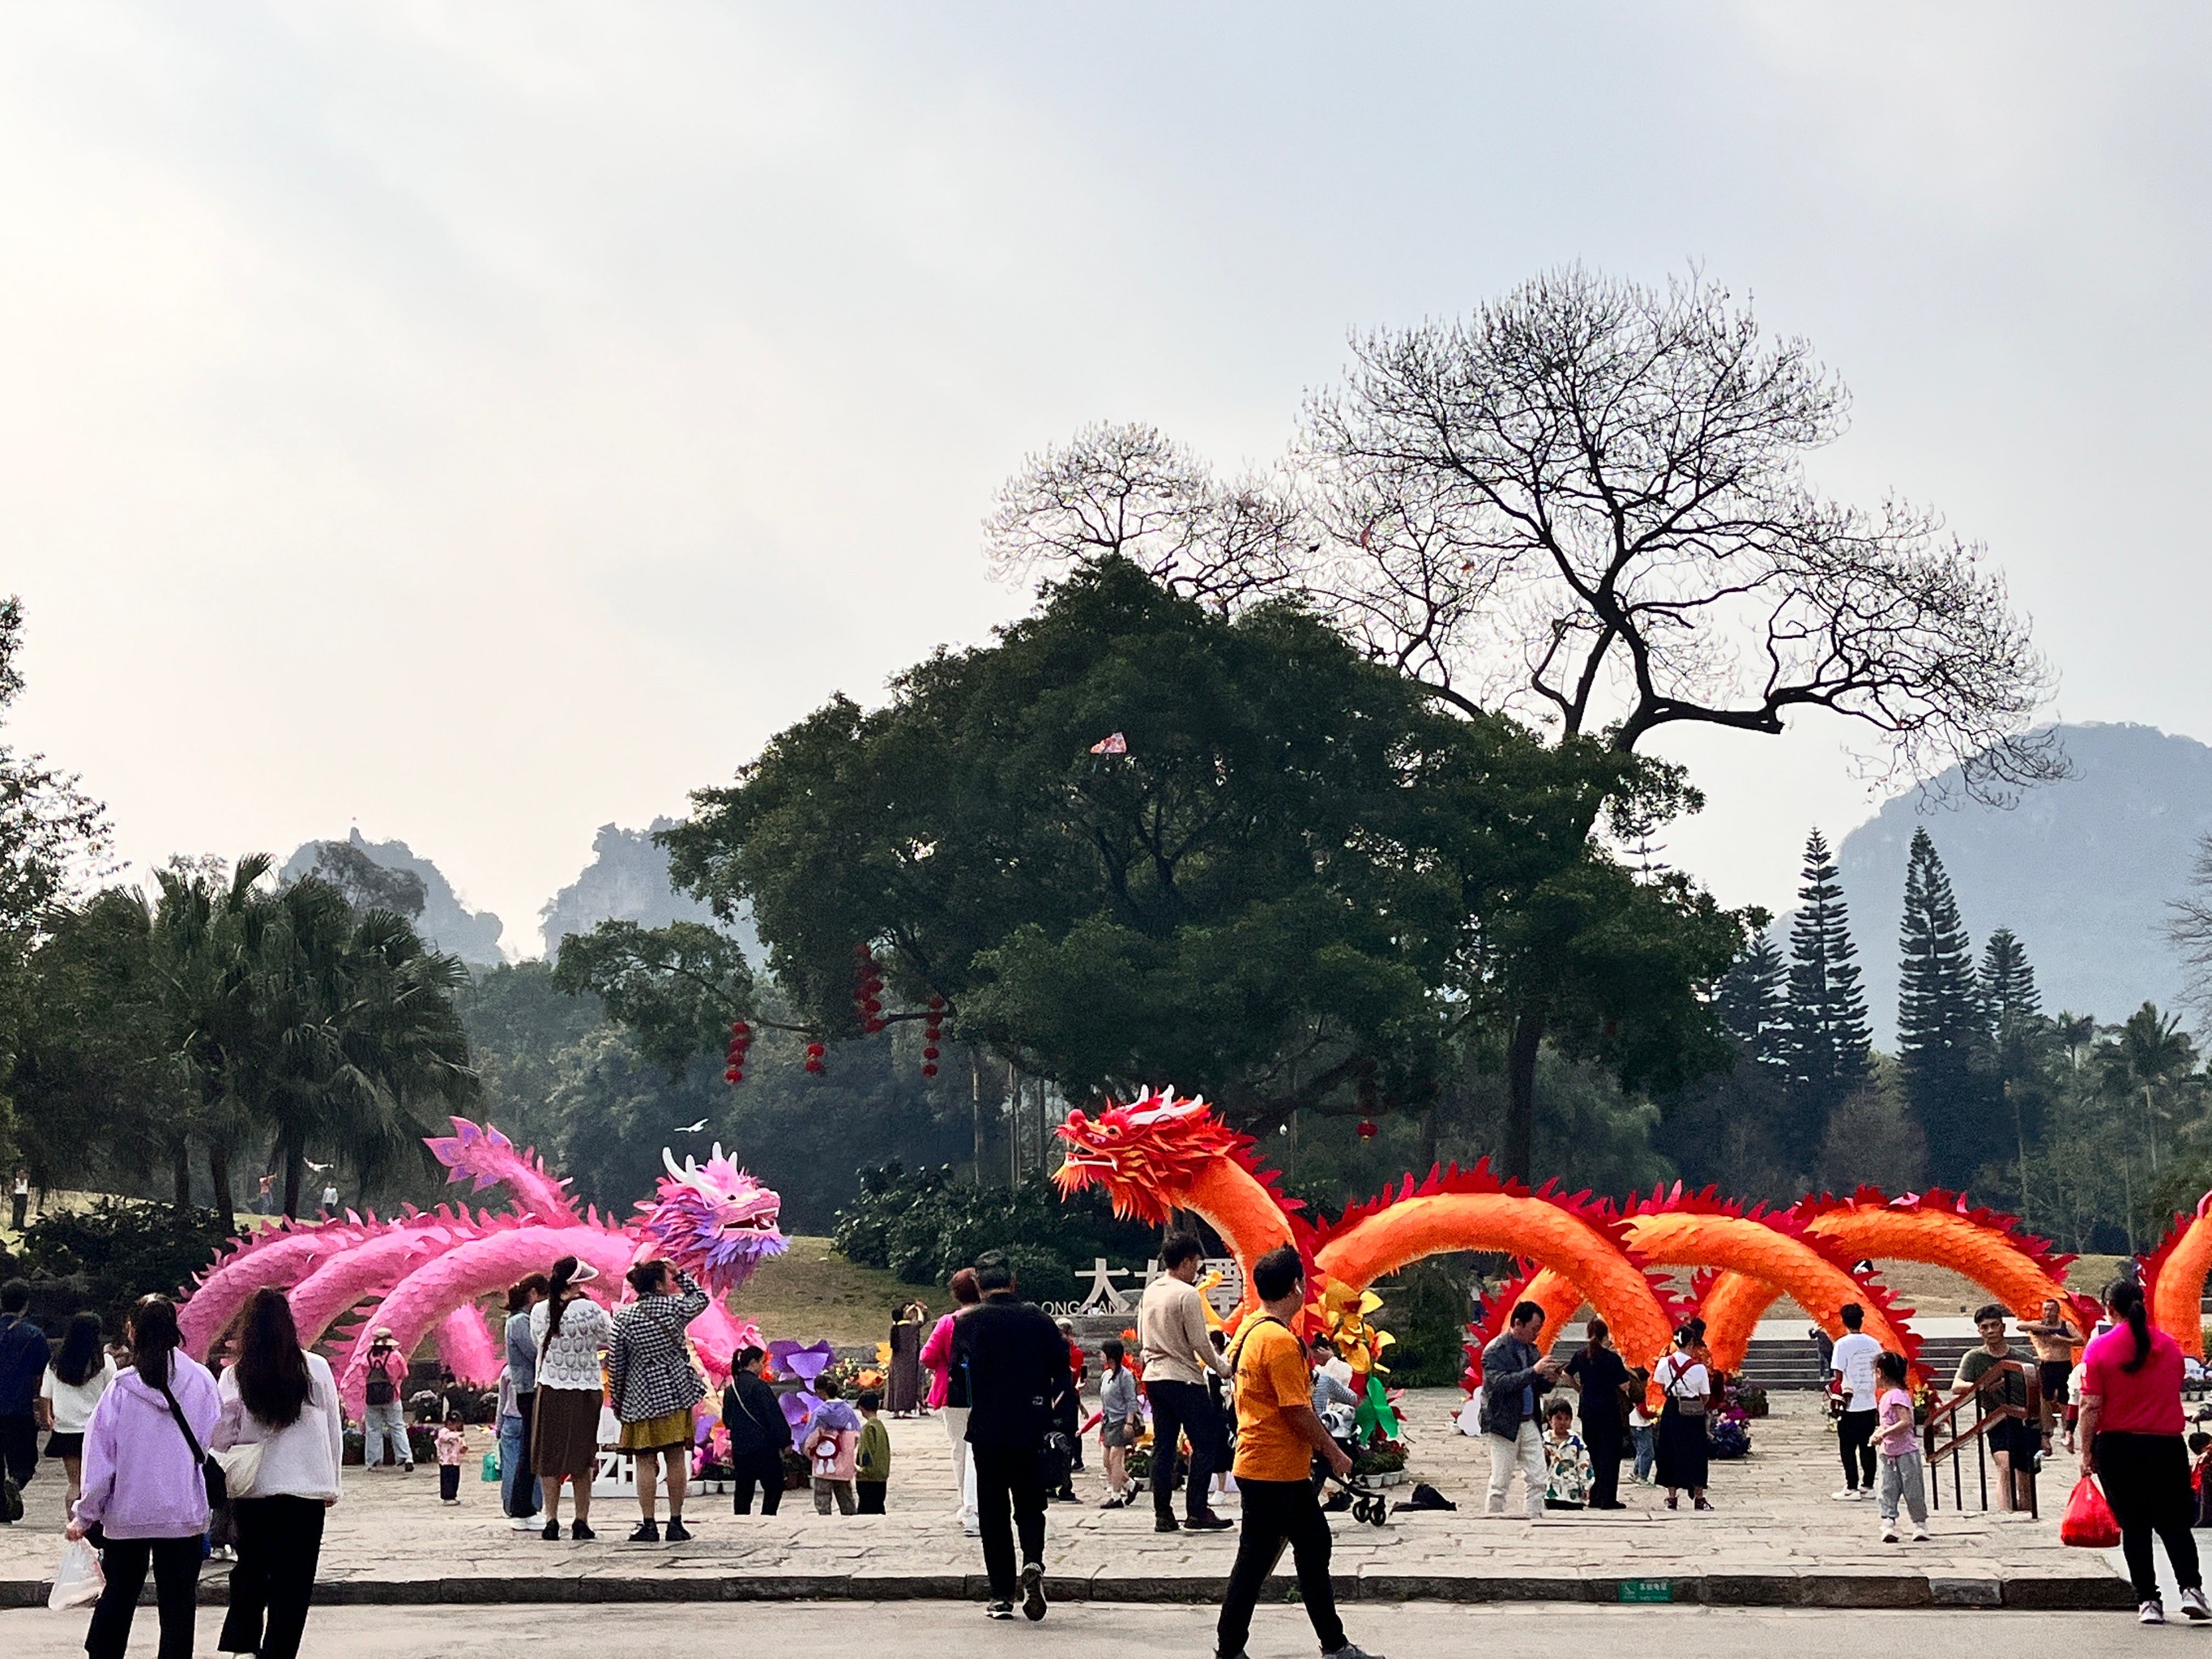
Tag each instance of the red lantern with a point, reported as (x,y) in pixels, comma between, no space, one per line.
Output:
(929,1070)
(731,1074)
(814,1065)
(936,1004)
(1367,1130)
(929,1054)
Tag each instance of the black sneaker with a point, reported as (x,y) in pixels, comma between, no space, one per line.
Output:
(1000,1610)
(1208,1522)
(647,1532)
(552,1532)
(1350,1650)
(677,1533)
(1033,1591)
(1166,1523)
(578,1530)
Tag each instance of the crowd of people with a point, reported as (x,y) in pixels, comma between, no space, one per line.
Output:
(164,1456)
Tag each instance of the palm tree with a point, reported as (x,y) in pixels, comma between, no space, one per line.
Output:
(360,1038)
(2147,1056)
(204,941)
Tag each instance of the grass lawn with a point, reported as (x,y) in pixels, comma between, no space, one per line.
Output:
(808,1293)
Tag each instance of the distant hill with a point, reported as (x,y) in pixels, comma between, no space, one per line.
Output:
(2082,870)
(627,881)
(446,922)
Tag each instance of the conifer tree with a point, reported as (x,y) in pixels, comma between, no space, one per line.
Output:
(2021,1045)
(2009,998)
(1753,1004)
(1942,1034)
(1825,1036)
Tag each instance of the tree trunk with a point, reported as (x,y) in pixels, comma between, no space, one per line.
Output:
(1518,1153)
(294,1168)
(1013,1129)
(219,1178)
(180,1156)
(975,1110)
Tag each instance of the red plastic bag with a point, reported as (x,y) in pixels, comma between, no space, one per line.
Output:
(2088,1524)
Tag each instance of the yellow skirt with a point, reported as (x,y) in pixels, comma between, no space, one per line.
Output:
(657,1433)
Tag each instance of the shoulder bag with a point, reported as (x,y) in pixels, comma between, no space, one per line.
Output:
(1684,1404)
(222,1521)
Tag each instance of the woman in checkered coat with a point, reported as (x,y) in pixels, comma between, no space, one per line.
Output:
(654,1380)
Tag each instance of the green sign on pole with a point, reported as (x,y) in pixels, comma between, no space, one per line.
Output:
(1647,1590)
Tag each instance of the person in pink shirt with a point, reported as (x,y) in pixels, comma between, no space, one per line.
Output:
(145,1498)
(2131,1433)
(383,1411)
(948,1393)
(1896,1454)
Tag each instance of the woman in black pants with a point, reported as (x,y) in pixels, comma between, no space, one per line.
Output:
(145,1499)
(759,1435)
(2130,1430)
(283,1399)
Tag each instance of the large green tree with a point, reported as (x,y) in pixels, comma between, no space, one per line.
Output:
(1134,840)
(1586,504)
(53,837)
(1941,1034)
(1826,1038)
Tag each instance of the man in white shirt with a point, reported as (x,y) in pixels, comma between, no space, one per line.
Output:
(1852,1365)
(1178,1352)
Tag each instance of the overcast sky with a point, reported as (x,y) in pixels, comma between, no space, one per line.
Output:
(480,423)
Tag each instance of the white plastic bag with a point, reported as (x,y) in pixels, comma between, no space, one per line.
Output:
(609,1426)
(78,1580)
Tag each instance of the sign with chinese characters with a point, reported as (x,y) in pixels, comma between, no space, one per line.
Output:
(1226,1297)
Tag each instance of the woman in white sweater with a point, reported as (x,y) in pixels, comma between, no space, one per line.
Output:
(283,1399)
(570,1330)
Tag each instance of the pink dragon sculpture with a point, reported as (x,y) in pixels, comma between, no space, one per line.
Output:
(424,1273)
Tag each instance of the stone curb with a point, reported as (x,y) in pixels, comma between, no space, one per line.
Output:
(1835,1591)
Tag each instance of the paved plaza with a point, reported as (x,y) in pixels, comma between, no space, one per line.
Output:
(1103,1630)
(1776,1538)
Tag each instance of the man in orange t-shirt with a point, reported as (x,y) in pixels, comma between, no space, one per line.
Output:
(1277,1436)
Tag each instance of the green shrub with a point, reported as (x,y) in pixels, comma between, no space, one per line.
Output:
(123,1249)
(924,1225)
(1426,1307)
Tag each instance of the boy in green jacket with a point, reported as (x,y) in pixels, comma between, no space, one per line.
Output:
(873,1470)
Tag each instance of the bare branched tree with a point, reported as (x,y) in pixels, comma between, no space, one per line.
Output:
(1587,504)
(2190,929)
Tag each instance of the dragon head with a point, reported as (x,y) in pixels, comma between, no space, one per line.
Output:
(713,1220)
(1146,1154)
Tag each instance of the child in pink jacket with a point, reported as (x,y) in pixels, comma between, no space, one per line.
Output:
(832,1446)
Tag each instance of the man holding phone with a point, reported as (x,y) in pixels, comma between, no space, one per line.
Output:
(1514,1373)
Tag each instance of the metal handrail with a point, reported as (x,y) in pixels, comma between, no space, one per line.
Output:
(1985,1416)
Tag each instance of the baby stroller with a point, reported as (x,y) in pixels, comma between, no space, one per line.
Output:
(1369,1507)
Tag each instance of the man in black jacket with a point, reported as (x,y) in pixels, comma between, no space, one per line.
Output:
(759,1435)
(1016,1362)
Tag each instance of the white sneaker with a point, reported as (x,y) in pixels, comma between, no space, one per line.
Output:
(1922,1536)
(2150,1613)
(1846,1495)
(523,1523)
(1889,1532)
(2194,1607)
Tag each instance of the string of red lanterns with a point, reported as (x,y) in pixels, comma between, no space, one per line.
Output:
(733,1056)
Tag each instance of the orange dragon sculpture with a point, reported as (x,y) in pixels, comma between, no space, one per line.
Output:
(1164,1153)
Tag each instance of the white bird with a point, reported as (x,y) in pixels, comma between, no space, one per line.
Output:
(319,1168)
(692,1128)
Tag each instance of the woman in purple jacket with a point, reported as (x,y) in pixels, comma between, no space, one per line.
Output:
(144,1487)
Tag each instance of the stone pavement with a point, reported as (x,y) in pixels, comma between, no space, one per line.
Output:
(1776,1538)
(1109,1630)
